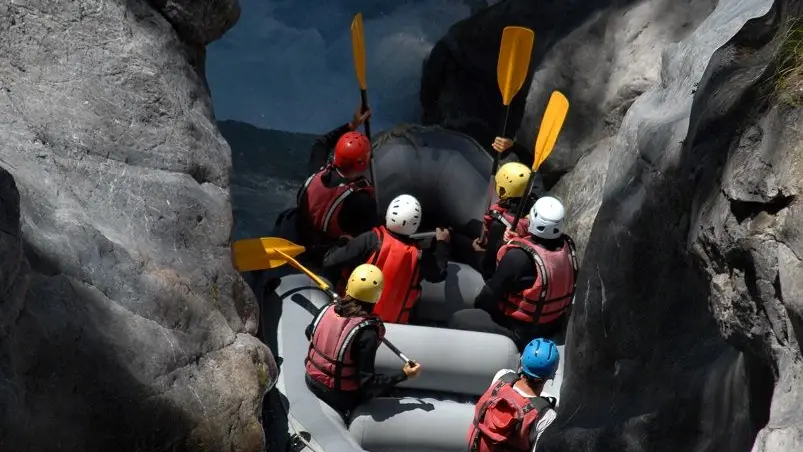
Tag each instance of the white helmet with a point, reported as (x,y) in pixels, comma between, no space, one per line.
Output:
(403,215)
(546,218)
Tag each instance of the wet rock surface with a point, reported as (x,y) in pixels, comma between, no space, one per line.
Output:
(122,323)
(680,167)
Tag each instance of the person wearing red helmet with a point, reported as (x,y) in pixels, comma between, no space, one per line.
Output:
(337,200)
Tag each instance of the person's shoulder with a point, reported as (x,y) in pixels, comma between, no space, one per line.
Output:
(517,254)
(548,417)
(502,373)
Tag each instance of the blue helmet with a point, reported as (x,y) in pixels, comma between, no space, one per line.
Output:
(540,359)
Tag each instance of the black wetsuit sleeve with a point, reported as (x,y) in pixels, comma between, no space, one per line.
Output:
(495,238)
(514,273)
(359,214)
(323,146)
(353,253)
(309,329)
(364,350)
(435,261)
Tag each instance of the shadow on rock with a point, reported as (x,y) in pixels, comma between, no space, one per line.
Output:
(54,347)
(647,366)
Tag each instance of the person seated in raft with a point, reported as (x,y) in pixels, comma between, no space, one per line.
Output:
(531,290)
(510,184)
(337,199)
(344,339)
(512,414)
(404,264)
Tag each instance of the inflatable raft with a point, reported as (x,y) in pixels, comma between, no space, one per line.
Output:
(432,413)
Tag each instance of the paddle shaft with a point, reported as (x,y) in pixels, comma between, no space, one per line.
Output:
(495,167)
(335,298)
(367,125)
(498,155)
(523,203)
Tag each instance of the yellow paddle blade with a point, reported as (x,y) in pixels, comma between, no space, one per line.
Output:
(514,60)
(320,282)
(262,253)
(358,47)
(551,123)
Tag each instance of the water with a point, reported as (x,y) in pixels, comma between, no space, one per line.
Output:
(287,66)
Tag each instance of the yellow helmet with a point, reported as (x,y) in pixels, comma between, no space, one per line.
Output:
(365,283)
(511,180)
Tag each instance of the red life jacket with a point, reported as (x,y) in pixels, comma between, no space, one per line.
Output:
(504,419)
(329,359)
(400,265)
(503,215)
(322,204)
(546,300)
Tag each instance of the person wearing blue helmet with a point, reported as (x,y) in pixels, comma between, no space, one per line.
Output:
(512,414)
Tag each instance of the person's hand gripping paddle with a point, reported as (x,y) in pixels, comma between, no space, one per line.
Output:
(515,51)
(267,253)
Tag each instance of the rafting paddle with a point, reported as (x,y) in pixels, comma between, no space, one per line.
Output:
(335,297)
(511,70)
(332,295)
(551,123)
(262,253)
(358,49)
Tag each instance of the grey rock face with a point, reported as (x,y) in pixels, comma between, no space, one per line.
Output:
(748,240)
(682,184)
(199,22)
(130,330)
(459,88)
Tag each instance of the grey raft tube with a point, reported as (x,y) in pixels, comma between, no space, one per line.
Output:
(437,407)
(448,172)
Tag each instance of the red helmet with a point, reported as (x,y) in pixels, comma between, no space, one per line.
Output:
(352,152)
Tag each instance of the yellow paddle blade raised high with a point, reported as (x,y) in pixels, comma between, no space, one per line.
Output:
(263,253)
(551,123)
(358,47)
(514,60)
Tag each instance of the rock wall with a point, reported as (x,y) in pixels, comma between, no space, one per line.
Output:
(680,166)
(122,323)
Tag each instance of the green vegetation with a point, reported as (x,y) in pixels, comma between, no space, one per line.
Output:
(789,75)
(262,376)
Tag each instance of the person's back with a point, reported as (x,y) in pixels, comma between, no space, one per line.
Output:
(337,200)
(390,248)
(402,260)
(531,289)
(512,414)
(344,339)
(553,257)
(510,184)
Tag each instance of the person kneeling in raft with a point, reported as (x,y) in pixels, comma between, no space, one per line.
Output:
(530,292)
(344,339)
(510,183)
(337,199)
(391,249)
(512,414)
